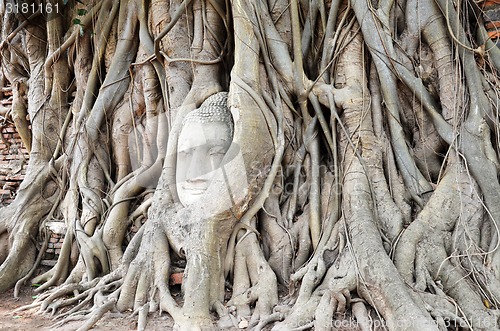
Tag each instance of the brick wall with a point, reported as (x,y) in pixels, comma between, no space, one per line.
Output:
(57,231)
(13,163)
(13,157)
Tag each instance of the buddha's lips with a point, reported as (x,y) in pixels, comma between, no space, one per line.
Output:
(195,188)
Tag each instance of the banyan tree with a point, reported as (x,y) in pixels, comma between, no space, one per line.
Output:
(295,160)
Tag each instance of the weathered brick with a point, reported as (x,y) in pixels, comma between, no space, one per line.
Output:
(15,177)
(176,278)
(48,263)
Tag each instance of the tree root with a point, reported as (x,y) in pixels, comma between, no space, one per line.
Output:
(325,289)
(254,282)
(39,257)
(142,320)
(97,314)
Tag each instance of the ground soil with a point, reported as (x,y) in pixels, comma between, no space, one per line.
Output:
(31,321)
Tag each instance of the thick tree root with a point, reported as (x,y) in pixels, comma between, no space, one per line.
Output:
(254,282)
(325,290)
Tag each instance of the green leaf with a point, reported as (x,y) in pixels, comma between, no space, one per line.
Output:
(82,12)
(76,21)
(34,296)
(17,316)
(36,285)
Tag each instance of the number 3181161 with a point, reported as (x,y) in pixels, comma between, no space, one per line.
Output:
(21,7)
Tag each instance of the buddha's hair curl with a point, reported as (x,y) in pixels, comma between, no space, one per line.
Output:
(213,109)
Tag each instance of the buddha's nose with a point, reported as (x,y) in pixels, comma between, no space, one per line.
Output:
(199,166)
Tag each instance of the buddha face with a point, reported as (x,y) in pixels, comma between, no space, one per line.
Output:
(200,150)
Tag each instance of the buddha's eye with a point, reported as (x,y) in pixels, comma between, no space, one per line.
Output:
(217,150)
(184,153)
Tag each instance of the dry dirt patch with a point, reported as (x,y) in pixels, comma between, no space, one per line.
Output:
(31,321)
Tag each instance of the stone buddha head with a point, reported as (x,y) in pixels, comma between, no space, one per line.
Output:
(205,137)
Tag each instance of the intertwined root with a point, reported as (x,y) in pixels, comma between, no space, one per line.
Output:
(254,282)
(325,282)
